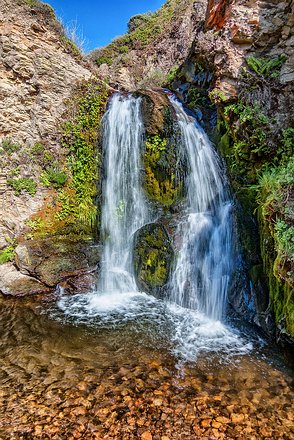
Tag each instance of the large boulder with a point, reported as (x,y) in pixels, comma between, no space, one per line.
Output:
(53,260)
(153,255)
(14,283)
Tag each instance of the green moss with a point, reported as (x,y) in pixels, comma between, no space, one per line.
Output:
(160,180)
(152,256)
(281,291)
(6,254)
(23,184)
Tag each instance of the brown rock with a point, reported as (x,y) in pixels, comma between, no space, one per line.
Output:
(146,435)
(205,423)
(237,418)
(14,283)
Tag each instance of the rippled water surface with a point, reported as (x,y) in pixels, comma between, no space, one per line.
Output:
(133,367)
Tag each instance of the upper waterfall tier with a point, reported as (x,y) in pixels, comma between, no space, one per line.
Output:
(124,208)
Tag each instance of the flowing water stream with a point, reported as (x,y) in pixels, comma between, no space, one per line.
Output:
(204,266)
(117,363)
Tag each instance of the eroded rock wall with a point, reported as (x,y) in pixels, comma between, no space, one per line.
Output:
(38,71)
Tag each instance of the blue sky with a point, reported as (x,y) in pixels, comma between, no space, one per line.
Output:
(101,20)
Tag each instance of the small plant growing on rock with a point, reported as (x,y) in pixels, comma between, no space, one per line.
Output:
(54,176)
(9,147)
(6,254)
(23,184)
(103,60)
(266,67)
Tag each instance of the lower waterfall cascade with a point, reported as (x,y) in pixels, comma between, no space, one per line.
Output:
(204,265)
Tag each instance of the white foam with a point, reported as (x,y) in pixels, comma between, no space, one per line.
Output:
(187,333)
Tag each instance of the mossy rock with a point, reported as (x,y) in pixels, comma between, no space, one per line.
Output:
(50,261)
(153,255)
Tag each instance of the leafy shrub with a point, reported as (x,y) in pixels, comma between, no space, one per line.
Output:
(54,176)
(23,184)
(123,49)
(6,254)
(37,149)
(103,60)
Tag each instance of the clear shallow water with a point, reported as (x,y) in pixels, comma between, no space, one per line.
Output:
(123,374)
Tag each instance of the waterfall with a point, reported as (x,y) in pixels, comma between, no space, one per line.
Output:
(124,208)
(201,276)
(189,320)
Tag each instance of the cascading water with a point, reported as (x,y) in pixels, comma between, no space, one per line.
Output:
(189,322)
(124,209)
(201,276)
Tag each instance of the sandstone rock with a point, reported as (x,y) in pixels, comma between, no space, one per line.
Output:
(14,283)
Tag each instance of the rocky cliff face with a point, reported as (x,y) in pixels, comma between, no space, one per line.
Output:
(237,55)
(38,71)
(154,45)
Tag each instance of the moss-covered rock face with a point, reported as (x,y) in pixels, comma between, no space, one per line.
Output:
(162,183)
(164,166)
(153,256)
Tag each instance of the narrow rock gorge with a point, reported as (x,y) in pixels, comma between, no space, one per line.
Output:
(146,224)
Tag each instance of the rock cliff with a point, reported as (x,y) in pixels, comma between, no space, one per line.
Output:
(39,68)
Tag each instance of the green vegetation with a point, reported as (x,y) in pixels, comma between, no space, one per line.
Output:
(172,74)
(197,97)
(80,139)
(261,164)
(217,96)
(37,149)
(152,256)
(23,184)
(6,254)
(103,60)
(249,128)
(266,67)
(8,146)
(54,176)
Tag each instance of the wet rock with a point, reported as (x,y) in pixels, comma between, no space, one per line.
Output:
(153,256)
(154,105)
(53,260)
(146,435)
